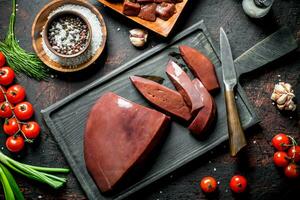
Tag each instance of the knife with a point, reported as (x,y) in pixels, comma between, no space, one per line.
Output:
(237,138)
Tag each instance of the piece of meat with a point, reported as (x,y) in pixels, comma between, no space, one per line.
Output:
(206,115)
(201,66)
(185,87)
(165,10)
(148,12)
(145,1)
(164,98)
(118,135)
(131,9)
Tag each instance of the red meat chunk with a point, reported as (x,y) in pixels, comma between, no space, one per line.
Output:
(206,115)
(148,12)
(201,66)
(119,134)
(131,9)
(164,98)
(165,10)
(185,87)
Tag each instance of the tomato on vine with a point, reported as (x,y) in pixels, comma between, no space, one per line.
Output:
(5,110)
(24,110)
(208,184)
(281,142)
(281,159)
(2,59)
(15,94)
(7,75)
(238,184)
(294,153)
(31,129)
(292,171)
(11,126)
(15,143)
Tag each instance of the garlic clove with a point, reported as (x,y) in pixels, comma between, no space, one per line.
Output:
(274,96)
(288,87)
(282,99)
(280,107)
(138,37)
(279,88)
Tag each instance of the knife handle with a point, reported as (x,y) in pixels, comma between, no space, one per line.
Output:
(237,138)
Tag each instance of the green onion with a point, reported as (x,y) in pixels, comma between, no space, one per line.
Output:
(16,57)
(41,174)
(12,183)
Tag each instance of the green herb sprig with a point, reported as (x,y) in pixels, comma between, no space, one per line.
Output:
(41,174)
(16,57)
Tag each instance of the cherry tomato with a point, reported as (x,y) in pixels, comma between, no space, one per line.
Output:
(7,75)
(11,126)
(2,98)
(281,142)
(281,159)
(292,171)
(294,153)
(31,129)
(15,144)
(5,110)
(238,184)
(2,59)
(24,110)
(15,94)
(208,184)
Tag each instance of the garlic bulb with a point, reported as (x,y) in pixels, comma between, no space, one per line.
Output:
(283,96)
(138,37)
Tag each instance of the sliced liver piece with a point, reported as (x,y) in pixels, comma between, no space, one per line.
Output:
(164,98)
(185,87)
(201,66)
(148,12)
(165,10)
(131,9)
(206,115)
(118,135)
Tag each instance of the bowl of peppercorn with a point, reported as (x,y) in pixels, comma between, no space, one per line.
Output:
(67,34)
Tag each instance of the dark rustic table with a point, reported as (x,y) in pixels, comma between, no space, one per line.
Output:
(265,181)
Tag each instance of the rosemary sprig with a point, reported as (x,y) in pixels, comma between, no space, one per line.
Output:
(16,57)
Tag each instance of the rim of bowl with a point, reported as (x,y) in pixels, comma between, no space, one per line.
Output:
(57,15)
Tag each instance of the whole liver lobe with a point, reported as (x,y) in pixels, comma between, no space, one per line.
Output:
(119,134)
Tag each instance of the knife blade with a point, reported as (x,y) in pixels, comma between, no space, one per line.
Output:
(237,138)
(228,69)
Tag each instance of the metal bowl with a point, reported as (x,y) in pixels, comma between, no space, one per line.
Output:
(58,15)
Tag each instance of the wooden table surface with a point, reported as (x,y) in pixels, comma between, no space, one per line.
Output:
(265,181)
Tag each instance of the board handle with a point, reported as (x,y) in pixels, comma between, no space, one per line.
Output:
(237,138)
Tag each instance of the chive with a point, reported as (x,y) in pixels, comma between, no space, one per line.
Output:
(8,192)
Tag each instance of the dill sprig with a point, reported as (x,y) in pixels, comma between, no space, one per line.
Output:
(16,57)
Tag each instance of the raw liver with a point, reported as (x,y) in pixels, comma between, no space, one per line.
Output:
(131,9)
(118,135)
(185,87)
(165,10)
(206,115)
(201,66)
(148,12)
(162,97)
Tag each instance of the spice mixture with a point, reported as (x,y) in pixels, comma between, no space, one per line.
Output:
(96,39)
(68,34)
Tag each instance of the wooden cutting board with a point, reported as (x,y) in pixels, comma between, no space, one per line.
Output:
(159,26)
(66,119)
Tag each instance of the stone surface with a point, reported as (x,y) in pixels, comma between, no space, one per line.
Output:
(265,181)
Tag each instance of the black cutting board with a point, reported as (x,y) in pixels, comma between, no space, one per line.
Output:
(66,118)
